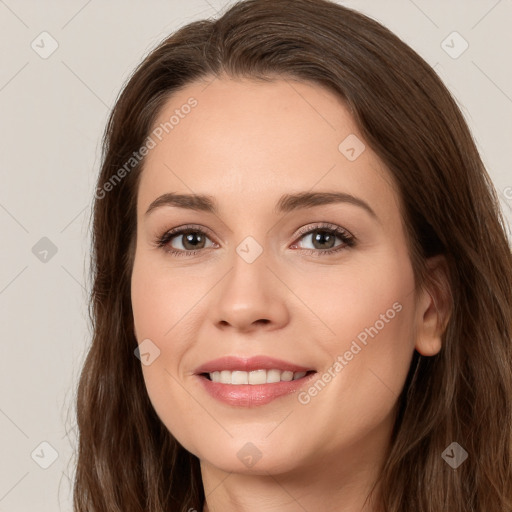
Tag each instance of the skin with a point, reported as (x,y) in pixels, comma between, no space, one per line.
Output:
(246,143)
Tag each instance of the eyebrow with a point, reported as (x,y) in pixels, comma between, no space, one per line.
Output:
(286,203)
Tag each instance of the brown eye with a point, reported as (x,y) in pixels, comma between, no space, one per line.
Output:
(323,240)
(192,240)
(184,241)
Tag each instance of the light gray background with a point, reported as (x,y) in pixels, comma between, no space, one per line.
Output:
(53,112)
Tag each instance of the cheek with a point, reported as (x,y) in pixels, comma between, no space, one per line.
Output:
(370,311)
(163,305)
(162,301)
(364,293)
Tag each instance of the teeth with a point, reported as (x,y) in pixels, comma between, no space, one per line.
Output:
(287,376)
(254,377)
(257,377)
(239,378)
(273,376)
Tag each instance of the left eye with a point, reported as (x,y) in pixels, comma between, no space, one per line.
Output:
(322,239)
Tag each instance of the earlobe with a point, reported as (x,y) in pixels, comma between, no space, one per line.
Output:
(434,307)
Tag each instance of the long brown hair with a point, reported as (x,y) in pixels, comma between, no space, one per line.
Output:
(127,460)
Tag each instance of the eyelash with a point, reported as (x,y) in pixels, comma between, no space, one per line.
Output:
(347,239)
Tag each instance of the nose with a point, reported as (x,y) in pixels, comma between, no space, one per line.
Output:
(250,296)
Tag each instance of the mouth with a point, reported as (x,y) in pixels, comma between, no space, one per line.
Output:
(255,377)
(253,381)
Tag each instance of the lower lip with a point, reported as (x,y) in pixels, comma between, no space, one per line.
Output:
(249,395)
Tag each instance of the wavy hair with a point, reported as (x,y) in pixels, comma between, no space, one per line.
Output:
(127,460)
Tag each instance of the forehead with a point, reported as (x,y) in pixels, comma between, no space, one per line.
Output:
(252,141)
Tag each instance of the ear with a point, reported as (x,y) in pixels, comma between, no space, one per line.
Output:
(433,307)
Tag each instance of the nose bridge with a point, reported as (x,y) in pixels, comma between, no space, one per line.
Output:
(249,292)
(249,276)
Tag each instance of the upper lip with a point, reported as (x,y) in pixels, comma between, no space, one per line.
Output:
(248,364)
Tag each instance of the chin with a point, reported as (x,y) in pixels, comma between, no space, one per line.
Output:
(258,456)
(251,464)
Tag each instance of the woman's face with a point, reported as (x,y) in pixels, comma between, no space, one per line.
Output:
(263,274)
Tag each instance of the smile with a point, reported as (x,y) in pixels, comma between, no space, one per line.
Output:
(253,381)
(255,377)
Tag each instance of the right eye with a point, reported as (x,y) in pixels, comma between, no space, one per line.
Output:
(191,239)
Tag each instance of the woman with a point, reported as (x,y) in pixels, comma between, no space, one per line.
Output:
(295,235)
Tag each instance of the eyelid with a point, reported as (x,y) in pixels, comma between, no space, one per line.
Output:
(190,227)
(322,225)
